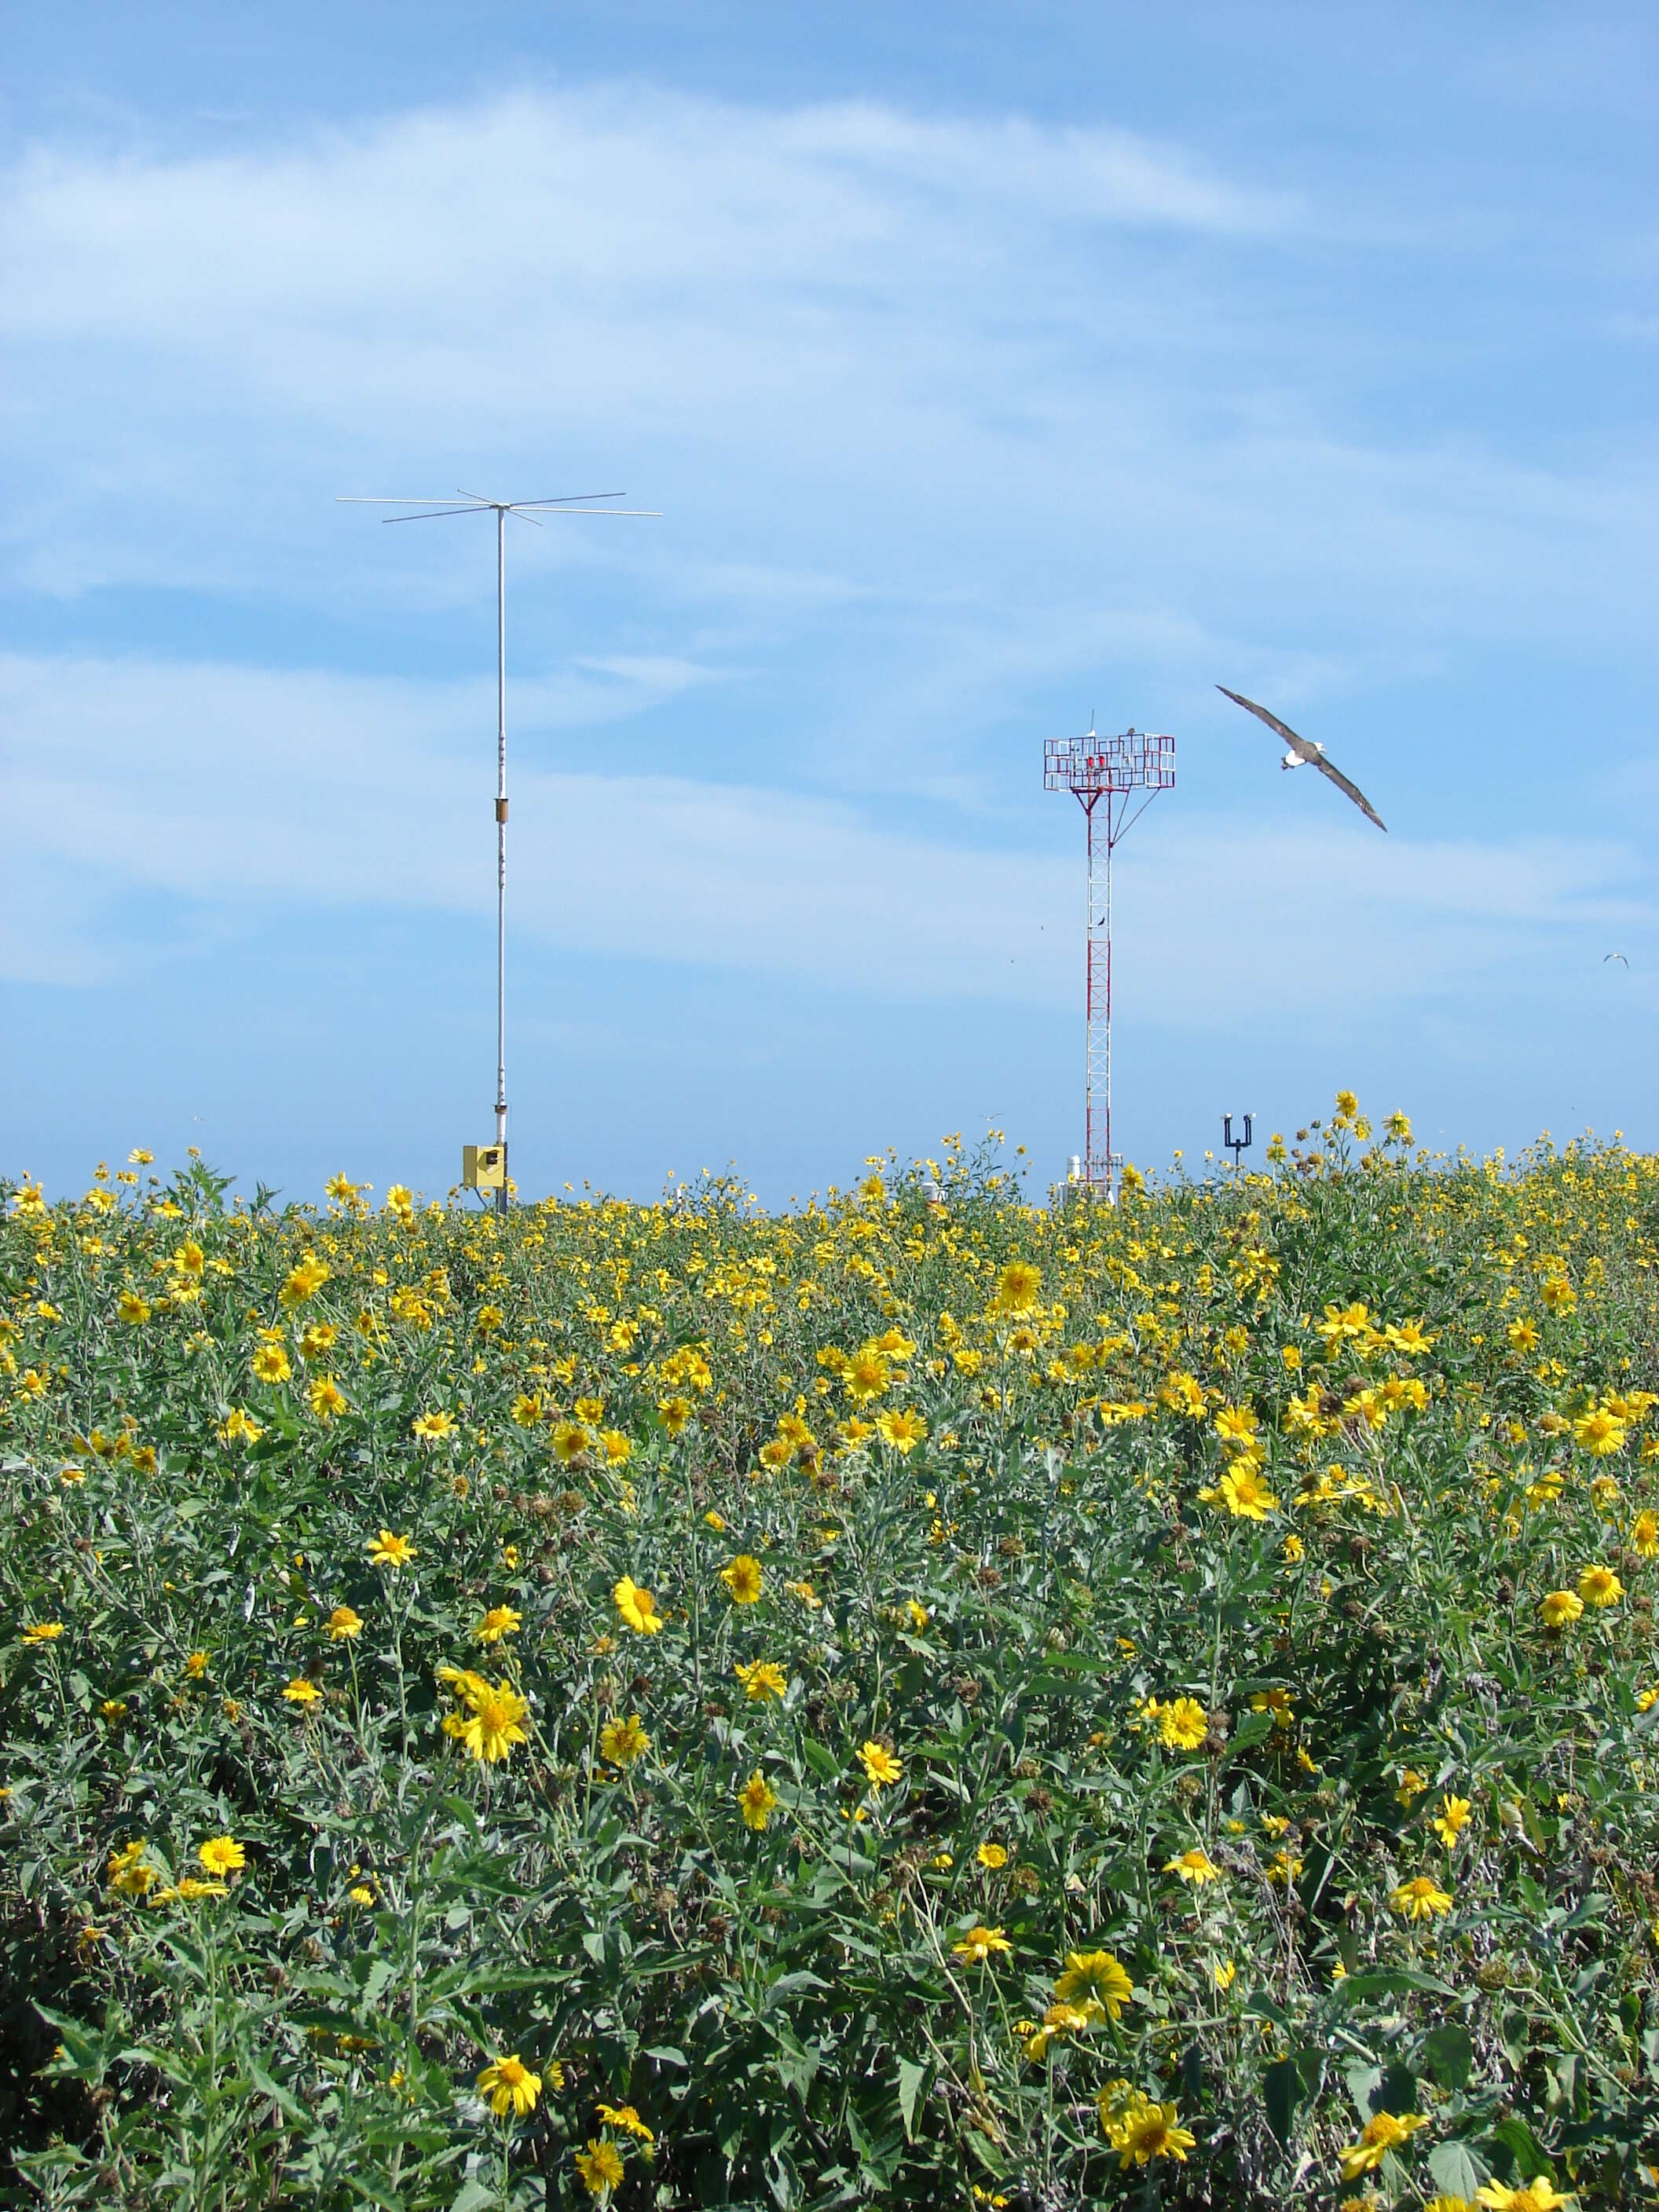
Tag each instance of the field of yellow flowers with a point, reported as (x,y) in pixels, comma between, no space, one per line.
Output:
(919,1700)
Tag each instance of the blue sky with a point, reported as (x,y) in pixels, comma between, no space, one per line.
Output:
(987,365)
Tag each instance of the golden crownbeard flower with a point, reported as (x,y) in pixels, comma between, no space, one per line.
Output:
(600,2167)
(326,1398)
(1183,1724)
(1644,1536)
(1245,1494)
(1194,1866)
(637,1607)
(1018,1286)
(903,1431)
(1539,2195)
(190,1889)
(130,1872)
(1421,1898)
(743,1579)
(994,1856)
(756,1800)
(501,1620)
(43,1631)
(626,2119)
(570,1441)
(980,1943)
(1381,2134)
(1600,1586)
(1097,1979)
(343,1624)
(221,1855)
(623,1742)
(1523,1335)
(1560,1609)
(133,1310)
(510,2087)
(492,1723)
(432,1428)
(879,1765)
(1236,1425)
(1452,1819)
(1599,1432)
(867,1375)
(1140,2130)
(271,1363)
(300,1692)
(761,1679)
(386,1550)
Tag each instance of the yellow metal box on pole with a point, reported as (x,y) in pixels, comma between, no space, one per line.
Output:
(483,1167)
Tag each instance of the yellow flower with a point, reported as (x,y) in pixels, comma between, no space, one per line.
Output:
(808,1596)
(623,1742)
(492,1723)
(501,1620)
(190,1889)
(1018,1286)
(867,1374)
(317,1338)
(196,1665)
(300,1692)
(43,1631)
(1644,1536)
(343,1624)
(980,1943)
(386,1550)
(1097,1978)
(133,1310)
(637,1607)
(761,1679)
(879,1765)
(1183,1724)
(1452,1819)
(271,1363)
(1194,1866)
(625,2118)
(360,1894)
(510,2087)
(130,1872)
(570,1441)
(1421,1898)
(432,1428)
(743,1579)
(1522,1336)
(1140,2130)
(1599,1433)
(1539,2195)
(994,1856)
(222,1855)
(1600,1586)
(756,1800)
(326,1397)
(1245,1494)
(1381,2134)
(600,2167)
(904,1432)
(1560,1609)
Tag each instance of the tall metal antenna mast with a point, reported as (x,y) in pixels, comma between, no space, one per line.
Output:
(1112,770)
(527,510)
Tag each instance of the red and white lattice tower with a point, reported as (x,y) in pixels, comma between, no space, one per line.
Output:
(1114,781)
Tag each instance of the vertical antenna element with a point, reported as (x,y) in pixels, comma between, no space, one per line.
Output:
(1104,775)
(527,510)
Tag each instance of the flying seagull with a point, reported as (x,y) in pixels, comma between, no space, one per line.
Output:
(1305,753)
(1605,957)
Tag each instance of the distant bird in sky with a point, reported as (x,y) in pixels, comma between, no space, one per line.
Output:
(1605,957)
(1304,753)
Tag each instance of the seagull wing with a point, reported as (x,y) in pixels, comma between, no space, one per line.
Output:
(1299,746)
(1352,790)
(1311,754)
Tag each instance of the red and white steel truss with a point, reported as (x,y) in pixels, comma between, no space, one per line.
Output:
(1115,780)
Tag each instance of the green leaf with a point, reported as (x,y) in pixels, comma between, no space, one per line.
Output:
(1283,2089)
(1448,2054)
(822,1762)
(910,2078)
(1456,2172)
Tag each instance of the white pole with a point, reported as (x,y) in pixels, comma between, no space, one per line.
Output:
(501,849)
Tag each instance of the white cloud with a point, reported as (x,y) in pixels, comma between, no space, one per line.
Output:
(217,787)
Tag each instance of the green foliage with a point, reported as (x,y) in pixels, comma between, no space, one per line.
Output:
(1215,1543)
